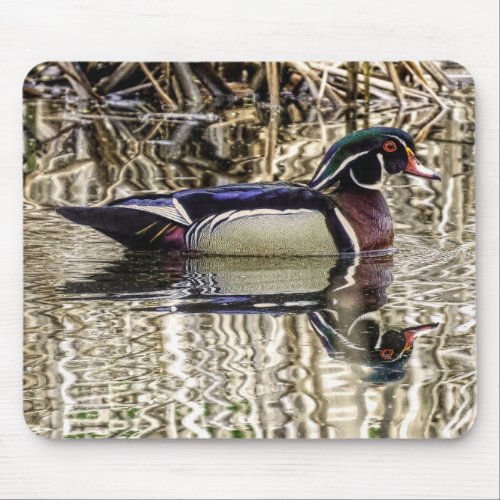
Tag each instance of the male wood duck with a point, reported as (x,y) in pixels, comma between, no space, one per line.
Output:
(272,218)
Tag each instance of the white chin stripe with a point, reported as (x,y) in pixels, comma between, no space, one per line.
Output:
(380,158)
(376,186)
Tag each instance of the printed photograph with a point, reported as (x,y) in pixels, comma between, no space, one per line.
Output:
(249,250)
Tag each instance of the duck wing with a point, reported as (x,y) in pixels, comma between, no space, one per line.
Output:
(190,205)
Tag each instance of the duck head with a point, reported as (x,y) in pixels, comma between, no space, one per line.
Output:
(361,160)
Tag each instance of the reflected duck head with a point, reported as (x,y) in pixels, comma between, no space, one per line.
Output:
(362,159)
(396,343)
(366,342)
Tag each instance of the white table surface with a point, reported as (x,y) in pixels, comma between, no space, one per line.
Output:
(34,31)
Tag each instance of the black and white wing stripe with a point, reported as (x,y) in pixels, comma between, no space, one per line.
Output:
(174,211)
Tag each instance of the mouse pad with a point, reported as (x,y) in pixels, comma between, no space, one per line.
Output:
(249,250)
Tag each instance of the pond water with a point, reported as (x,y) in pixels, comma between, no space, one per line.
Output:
(129,345)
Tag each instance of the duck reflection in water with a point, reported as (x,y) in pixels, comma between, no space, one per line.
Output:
(342,301)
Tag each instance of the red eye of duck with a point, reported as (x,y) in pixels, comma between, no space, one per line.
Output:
(386,353)
(389,146)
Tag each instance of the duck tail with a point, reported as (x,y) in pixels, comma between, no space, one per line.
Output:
(137,230)
(85,216)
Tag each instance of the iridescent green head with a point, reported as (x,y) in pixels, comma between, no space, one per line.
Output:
(361,159)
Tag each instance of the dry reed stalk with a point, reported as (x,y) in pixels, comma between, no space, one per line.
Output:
(366,73)
(131,90)
(273,84)
(176,89)
(437,74)
(161,93)
(210,79)
(78,81)
(274,119)
(322,87)
(123,71)
(257,78)
(352,83)
(434,116)
(375,81)
(186,81)
(391,70)
(271,141)
(313,80)
(416,71)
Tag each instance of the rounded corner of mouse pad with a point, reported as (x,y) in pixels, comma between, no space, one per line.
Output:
(249,250)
